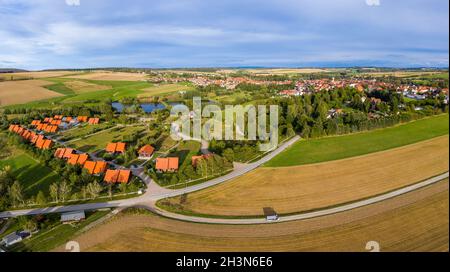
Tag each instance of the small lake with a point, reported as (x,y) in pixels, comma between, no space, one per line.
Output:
(147,107)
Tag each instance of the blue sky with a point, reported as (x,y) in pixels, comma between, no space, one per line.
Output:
(43,34)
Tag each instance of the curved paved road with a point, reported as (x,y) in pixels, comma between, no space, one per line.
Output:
(154,192)
(308,215)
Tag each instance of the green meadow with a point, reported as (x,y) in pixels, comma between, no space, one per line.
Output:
(33,176)
(340,147)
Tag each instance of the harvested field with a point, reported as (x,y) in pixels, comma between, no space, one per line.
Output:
(28,75)
(119,76)
(84,87)
(417,221)
(304,188)
(20,92)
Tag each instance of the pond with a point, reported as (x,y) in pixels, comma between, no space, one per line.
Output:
(147,107)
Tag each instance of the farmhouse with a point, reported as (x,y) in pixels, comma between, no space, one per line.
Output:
(117,176)
(71,217)
(146,152)
(95,168)
(116,148)
(166,164)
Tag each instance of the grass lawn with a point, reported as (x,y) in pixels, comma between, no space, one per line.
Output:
(33,175)
(340,147)
(185,151)
(84,131)
(164,89)
(47,240)
(99,141)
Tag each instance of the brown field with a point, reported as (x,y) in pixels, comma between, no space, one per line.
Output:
(20,92)
(84,87)
(104,75)
(37,75)
(308,187)
(278,71)
(401,74)
(417,221)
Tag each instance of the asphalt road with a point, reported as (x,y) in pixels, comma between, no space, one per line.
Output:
(155,193)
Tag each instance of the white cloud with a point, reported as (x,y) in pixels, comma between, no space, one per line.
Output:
(373,2)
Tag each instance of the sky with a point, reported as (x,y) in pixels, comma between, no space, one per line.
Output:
(58,34)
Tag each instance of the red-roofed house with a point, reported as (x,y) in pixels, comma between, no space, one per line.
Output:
(116,148)
(117,176)
(94,121)
(146,152)
(167,164)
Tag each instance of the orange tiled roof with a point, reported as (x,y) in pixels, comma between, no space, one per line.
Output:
(90,166)
(94,121)
(82,118)
(100,167)
(121,147)
(146,150)
(47,144)
(59,153)
(116,147)
(82,159)
(167,164)
(73,160)
(114,176)
(111,148)
(67,153)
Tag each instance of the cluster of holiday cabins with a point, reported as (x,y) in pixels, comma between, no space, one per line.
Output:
(53,125)
(72,157)
(163,165)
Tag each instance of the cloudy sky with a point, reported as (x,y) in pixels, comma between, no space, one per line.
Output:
(42,34)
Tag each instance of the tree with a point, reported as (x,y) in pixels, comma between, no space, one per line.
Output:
(54,192)
(41,199)
(229,154)
(94,189)
(64,191)
(4,148)
(27,224)
(16,193)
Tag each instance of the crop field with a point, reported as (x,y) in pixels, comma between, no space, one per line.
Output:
(309,187)
(339,147)
(164,89)
(405,74)
(20,92)
(417,221)
(277,71)
(32,175)
(119,90)
(114,76)
(99,141)
(37,75)
(84,87)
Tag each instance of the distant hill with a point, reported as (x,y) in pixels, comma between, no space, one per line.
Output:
(11,70)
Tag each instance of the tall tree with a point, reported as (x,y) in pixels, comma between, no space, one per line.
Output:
(16,193)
